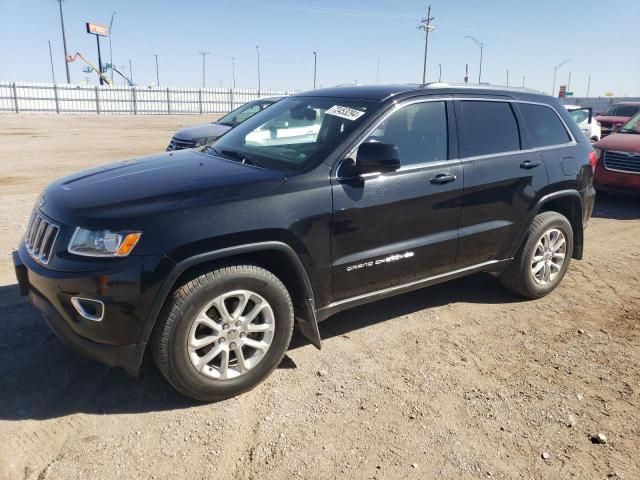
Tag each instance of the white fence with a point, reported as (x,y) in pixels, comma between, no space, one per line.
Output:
(19,97)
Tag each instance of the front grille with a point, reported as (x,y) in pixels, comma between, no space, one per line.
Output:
(40,237)
(622,161)
(179,144)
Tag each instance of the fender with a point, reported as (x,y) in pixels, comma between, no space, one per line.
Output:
(307,320)
(578,234)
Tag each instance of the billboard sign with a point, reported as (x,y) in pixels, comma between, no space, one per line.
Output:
(97,29)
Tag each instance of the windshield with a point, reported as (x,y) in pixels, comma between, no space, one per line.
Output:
(580,116)
(241,114)
(632,126)
(295,132)
(622,110)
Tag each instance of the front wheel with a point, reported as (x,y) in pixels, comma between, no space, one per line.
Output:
(543,260)
(223,332)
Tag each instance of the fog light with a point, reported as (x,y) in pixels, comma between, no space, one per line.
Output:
(88,308)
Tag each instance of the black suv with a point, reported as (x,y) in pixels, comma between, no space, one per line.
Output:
(326,200)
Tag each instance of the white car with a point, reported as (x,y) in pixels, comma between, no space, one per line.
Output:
(586,121)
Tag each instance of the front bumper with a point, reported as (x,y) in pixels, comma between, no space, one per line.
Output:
(117,340)
(611,181)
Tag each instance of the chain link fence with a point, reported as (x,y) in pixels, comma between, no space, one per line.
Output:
(17,97)
(599,104)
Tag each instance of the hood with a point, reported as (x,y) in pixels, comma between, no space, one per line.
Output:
(207,130)
(611,119)
(153,184)
(622,142)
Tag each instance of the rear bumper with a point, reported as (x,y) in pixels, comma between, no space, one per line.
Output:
(116,339)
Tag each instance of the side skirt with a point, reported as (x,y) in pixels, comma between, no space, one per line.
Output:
(335,307)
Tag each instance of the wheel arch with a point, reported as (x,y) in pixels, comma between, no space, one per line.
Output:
(275,256)
(569,204)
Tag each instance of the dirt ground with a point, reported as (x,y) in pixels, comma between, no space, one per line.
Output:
(461,380)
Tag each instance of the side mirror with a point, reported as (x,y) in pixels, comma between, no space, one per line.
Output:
(377,157)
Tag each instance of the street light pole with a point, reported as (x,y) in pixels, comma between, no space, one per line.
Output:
(259,85)
(523,79)
(555,72)
(64,42)
(157,71)
(233,71)
(588,85)
(439,72)
(130,72)
(507,77)
(204,54)
(110,48)
(315,68)
(53,73)
(481,46)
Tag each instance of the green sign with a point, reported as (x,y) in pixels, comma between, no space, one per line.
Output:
(569,94)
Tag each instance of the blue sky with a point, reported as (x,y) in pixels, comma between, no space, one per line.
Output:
(528,38)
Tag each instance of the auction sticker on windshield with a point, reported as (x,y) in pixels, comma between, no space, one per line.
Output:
(344,112)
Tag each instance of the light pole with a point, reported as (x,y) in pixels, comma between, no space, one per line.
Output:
(157,72)
(523,79)
(233,71)
(64,42)
(555,72)
(258,51)
(507,77)
(130,72)
(588,85)
(110,48)
(53,73)
(439,72)
(481,46)
(315,68)
(204,54)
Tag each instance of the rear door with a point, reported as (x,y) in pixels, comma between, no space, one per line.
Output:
(502,177)
(394,228)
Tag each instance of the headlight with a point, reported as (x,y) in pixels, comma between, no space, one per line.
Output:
(204,141)
(102,243)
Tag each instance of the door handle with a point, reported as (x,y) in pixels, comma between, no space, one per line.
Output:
(443,178)
(528,164)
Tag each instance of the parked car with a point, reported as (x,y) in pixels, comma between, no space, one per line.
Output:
(617,115)
(584,118)
(209,261)
(199,135)
(618,167)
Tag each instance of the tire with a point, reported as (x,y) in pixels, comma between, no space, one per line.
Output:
(521,277)
(205,309)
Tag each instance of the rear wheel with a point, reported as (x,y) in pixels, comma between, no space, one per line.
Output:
(543,260)
(223,332)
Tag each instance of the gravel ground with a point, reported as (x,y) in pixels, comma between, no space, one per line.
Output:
(461,380)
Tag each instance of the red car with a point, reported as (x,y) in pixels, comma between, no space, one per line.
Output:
(618,166)
(617,115)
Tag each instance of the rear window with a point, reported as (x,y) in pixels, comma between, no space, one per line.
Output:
(544,126)
(488,127)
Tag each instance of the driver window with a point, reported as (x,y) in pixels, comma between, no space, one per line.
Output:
(419,131)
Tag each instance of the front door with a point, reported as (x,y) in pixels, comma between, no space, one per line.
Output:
(394,228)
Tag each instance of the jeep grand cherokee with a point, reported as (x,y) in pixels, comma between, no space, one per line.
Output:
(326,200)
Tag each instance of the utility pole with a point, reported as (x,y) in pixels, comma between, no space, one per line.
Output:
(157,71)
(315,68)
(99,61)
(53,73)
(64,42)
(507,77)
(569,83)
(378,71)
(555,71)
(481,46)
(233,71)
(258,50)
(588,85)
(425,25)
(204,54)
(466,73)
(110,49)
(523,79)
(439,72)
(130,72)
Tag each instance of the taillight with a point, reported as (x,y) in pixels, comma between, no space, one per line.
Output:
(593,159)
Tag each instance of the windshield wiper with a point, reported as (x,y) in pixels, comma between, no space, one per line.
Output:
(242,157)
